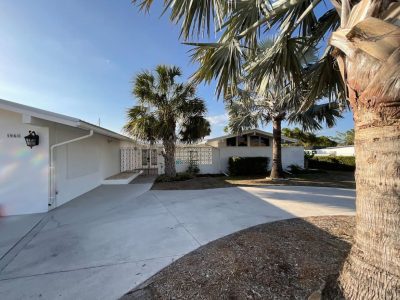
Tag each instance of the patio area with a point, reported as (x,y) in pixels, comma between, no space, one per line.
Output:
(103,243)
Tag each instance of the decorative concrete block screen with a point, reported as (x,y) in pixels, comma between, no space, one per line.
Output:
(130,159)
(200,155)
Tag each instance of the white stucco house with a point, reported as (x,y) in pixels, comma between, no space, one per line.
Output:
(211,155)
(72,157)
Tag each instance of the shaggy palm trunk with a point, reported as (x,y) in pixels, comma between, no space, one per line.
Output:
(169,157)
(372,269)
(276,171)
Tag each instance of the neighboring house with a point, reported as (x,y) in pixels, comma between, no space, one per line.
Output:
(83,156)
(333,151)
(212,155)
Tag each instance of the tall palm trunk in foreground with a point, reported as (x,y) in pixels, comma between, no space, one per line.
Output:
(369,60)
(277,170)
(372,270)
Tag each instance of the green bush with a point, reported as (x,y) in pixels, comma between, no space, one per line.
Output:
(178,177)
(298,170)
(338,163)
(248,165)
(193,167)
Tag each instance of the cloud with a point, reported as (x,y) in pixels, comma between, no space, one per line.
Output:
(218,120)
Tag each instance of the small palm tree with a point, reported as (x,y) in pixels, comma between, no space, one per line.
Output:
(247,109)
(168,111)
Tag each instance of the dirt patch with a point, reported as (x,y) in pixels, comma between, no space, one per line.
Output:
(197,183)
(282,260)
(339,179)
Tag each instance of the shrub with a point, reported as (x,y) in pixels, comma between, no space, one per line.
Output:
(338,163)
(193,167)
(178,177)
(298,170)
(295,169)
(248,165)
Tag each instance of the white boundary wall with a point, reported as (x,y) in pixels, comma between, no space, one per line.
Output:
(335,151)
(220,157)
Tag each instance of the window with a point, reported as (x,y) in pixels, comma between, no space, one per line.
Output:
(242,140)
(264,141)
(153,157)
(231,142)
(145,157)
(254,140)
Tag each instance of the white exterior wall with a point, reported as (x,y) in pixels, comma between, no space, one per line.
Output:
(83,165)
(214,168)
(290,155)
(24,172)
(24,181)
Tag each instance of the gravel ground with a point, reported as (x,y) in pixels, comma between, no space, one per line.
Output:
(289,259)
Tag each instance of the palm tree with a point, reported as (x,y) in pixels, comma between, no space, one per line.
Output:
(168,111)
(247,109)
(361,63)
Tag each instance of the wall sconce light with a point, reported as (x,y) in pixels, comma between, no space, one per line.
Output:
(32,139)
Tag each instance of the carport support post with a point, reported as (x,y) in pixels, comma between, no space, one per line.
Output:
(52,192)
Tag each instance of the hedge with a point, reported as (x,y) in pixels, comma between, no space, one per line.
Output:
(338,163)
(248,165)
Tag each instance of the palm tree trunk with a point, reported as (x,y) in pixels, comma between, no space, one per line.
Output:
(372,270)
(276,171)
(169,157)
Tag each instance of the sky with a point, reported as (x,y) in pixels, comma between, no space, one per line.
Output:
(79,58)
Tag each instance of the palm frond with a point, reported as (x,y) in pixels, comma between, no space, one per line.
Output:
(324,80)
(317,114)
(194,129)
(279,64)
(221,61)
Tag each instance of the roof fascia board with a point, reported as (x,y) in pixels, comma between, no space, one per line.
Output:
(248,132)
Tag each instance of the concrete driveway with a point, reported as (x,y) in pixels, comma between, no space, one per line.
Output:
(104,243)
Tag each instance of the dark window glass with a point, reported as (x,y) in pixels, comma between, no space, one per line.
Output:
(264,141)
(242,140)
(254,140)
(231,142)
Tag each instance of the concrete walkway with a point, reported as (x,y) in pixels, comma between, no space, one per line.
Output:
(104,243)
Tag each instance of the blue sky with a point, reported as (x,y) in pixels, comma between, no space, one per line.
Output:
(79,57)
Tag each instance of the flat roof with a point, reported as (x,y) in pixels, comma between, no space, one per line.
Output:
(58,118)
